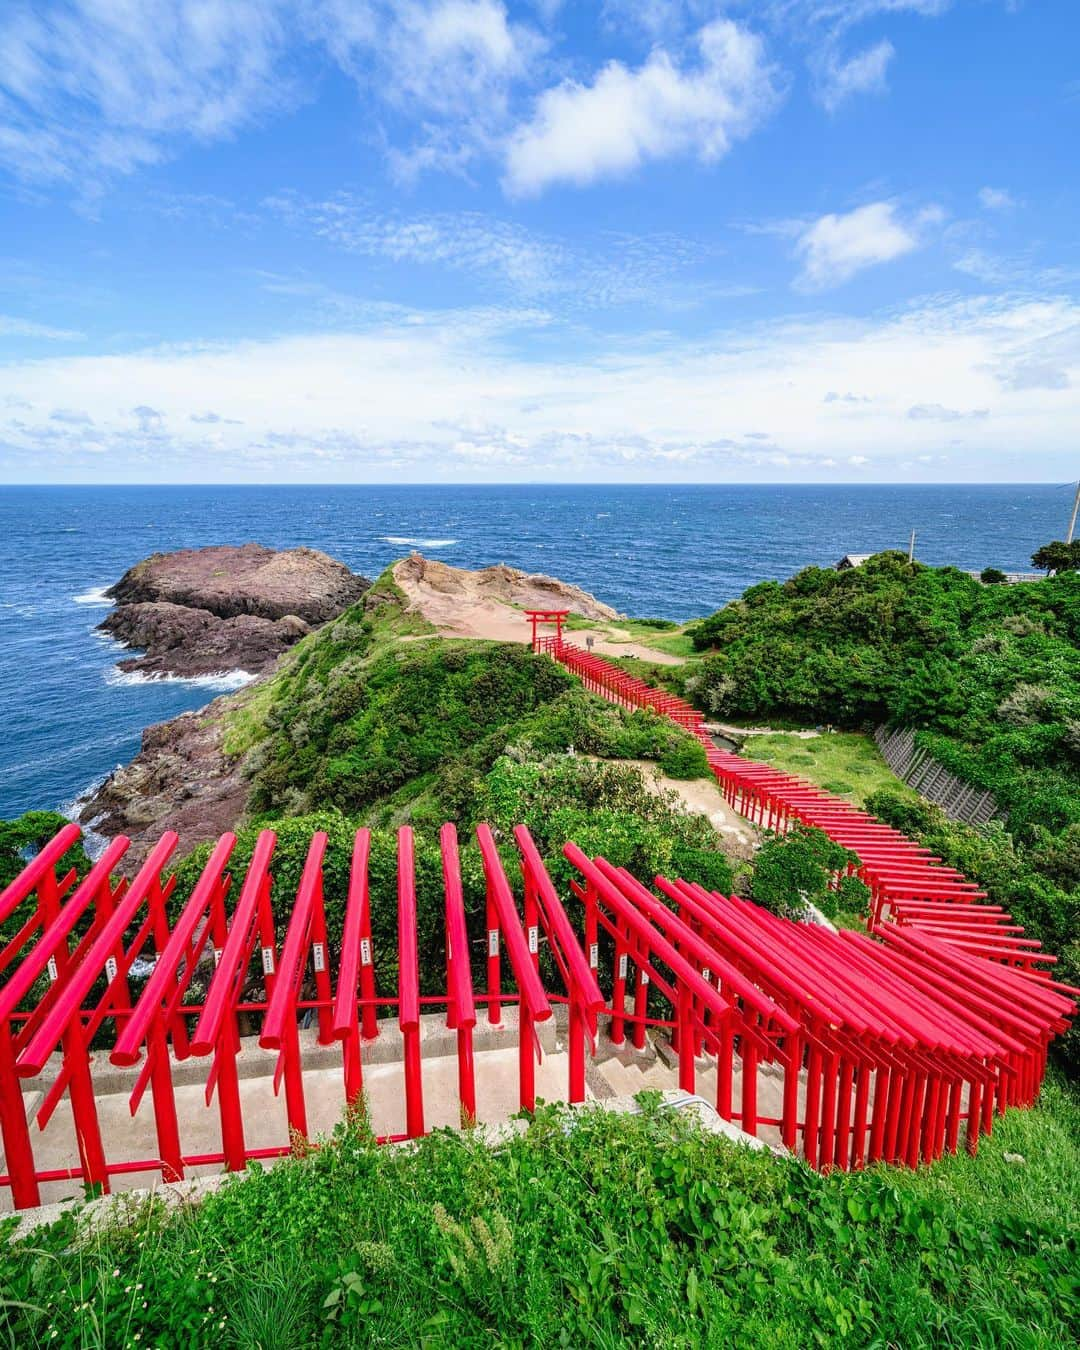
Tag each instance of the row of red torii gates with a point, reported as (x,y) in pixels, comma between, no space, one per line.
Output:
(890,1047)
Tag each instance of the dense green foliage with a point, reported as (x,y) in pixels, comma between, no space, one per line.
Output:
(1039,885)
(21,838)
(606,808)
(991,674)
(365,722)
(795,869)
(600,1230)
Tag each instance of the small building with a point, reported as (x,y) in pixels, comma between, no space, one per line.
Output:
(850,560)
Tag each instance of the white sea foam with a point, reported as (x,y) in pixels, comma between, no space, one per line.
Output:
(418,543)
(95,596)
(94,844)
(221,681)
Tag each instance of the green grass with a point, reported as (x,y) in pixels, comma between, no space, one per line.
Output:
(595,1230)
(845,762)
(638,633)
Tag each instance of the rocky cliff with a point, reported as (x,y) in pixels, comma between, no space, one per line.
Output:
(201,611)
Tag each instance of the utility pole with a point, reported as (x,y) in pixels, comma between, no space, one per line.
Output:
(911,544)
(1072,520)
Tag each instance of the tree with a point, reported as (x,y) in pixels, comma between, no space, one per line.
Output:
(992,576)
(1057,556)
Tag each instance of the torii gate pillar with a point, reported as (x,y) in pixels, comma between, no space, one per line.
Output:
(539,616)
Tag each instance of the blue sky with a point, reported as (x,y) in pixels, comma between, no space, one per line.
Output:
(630,240)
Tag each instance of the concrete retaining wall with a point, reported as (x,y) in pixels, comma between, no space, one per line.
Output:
(930,778)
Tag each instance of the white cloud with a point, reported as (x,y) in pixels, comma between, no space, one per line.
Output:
(937,412)
(414,398)
(94,88)
(835,247)
(98,87)
(13,327)
(861,74)
(507,257)
(996,199)
(448,65)
(625,117)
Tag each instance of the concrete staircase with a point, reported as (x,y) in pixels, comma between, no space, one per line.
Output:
(622,1071)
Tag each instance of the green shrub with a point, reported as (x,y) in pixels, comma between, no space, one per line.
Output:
(23,837)
(797,868)
(685,759)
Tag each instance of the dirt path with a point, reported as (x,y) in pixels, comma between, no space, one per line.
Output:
(610,643)
(702,795)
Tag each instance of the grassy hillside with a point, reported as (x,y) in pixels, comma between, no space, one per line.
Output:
(599,1231)
(989,676)
(845,762)
(376,717)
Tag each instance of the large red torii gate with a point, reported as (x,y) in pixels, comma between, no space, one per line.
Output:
(543,616)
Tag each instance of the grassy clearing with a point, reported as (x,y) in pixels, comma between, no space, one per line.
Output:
(599,1230)
(845,762)
(659,634)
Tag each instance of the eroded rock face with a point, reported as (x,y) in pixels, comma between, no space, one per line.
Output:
(179,640)
(250,579)
(208,610)
(426,577)
(180,780)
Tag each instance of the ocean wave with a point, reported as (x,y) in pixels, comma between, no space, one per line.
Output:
(95,596)
(94,844)
(418,543)
(221,681)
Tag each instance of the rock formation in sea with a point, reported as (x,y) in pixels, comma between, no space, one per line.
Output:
(206,610)
(210,609)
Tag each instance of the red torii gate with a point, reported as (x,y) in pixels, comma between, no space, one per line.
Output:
(908,886)
(919,1019)
(538,616)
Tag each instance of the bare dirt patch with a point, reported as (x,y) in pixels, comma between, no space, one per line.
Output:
(703,796)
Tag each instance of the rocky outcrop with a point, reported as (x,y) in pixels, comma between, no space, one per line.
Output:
(206,610)
(181,779)
(478,603)
(250,579)
(178,640)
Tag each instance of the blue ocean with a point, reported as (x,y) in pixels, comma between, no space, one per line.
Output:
(69,717)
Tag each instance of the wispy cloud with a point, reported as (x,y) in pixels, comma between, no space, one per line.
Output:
(835,247)
(412,397)
(864,73)
(450,66)
(937,412)
(97,87)
(579,133)
(826,29)
(514,262)
(996,199)
(13,327)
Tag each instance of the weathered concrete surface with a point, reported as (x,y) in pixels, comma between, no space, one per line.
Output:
(128,1138)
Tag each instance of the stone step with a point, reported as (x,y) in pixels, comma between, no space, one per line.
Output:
(129,1138)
